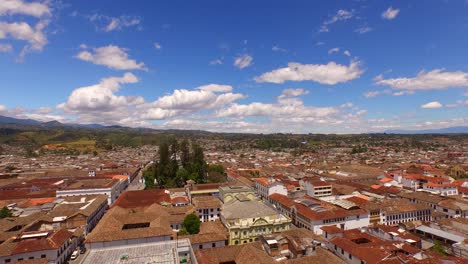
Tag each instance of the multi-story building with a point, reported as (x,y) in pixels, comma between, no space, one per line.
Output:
(451,207)
(418,181)
(207,207)
(313,214)
(317,188)
(112,187)
(444,189)
(247,219)
(71,213)
(395,211)
(48,246)
(268,186)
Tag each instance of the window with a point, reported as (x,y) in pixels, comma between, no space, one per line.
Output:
(342,251)
(213,245)
(7,260)
(236,242)
(43,256)
(200,246)
(349,256)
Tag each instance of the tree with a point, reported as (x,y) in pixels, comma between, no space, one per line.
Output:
(5,212)
(439,248)
(149,176)
(163,154)
(182,176)
(174,165)
(216,174)
(192,224)
(184,153)
(164,167)
(198,162)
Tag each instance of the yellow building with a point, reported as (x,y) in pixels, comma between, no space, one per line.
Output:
(229,193)
(247,219)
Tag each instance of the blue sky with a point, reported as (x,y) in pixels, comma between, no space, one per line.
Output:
(237,66)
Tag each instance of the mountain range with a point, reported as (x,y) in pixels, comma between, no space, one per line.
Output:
(54,123)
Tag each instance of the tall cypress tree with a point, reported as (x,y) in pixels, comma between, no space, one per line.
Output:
(184,153)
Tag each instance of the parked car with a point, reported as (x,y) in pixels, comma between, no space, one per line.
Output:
(75,255)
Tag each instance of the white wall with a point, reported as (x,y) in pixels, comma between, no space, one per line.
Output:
(351,222)
(344,255)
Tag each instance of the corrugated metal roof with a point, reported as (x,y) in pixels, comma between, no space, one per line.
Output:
(440,233)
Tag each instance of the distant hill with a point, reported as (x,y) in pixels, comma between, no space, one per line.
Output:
(11,120)
(53,123)
(447,130)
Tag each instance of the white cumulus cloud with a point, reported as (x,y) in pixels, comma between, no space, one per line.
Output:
(183,101)
(290,92)
(431,105)
(18,29)
(331,73)
(216,88)
(434,80)
(101,97)
(111,56)
(13,7)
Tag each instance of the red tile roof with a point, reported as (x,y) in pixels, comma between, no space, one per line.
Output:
(332,229)
(53,241)
(142,198)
